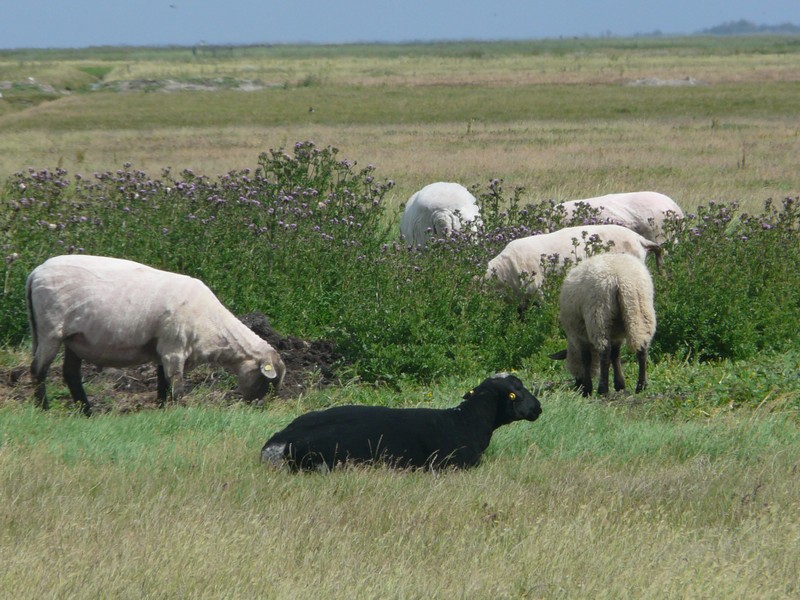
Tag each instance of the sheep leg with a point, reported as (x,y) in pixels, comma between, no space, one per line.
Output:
(177,386)
(641,358)
(172,365)
(163,386)
(72,377)
(44,351)
(605,361)
(586,362)
(619,378)
(39,375)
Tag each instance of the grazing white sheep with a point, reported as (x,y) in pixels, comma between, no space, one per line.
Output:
(519,264)
(643,212)
(436,210)
(606,300)
(117,313)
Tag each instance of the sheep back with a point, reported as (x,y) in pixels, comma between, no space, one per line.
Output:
(519,265)
(437,209)
(643,212)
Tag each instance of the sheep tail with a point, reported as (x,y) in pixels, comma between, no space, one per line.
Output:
(31,315)
(635,300)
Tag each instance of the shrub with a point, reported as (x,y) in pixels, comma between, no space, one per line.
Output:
(731,286)
(306,239)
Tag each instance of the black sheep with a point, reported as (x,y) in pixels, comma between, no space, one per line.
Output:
(403,437)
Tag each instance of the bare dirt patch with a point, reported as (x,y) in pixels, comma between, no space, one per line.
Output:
(174,85)
(658,82)
(310,364)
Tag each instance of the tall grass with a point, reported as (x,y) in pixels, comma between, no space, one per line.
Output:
(591,500)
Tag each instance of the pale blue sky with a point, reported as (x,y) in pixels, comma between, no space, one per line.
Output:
(82,23)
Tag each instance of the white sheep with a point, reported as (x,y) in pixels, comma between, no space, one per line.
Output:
(643,212)
(436,210)
(604,301)
(519,267)
(117,313)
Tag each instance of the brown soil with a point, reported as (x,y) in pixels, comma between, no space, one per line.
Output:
(310,364)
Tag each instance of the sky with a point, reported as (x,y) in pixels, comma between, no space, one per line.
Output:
(85,23)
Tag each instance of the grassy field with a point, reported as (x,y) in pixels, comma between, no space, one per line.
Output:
(593,500)
(561,119)
(689,490)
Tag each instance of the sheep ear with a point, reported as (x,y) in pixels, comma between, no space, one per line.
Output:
(268,371)
(561,355)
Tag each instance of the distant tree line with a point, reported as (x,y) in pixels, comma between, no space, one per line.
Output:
(743,27)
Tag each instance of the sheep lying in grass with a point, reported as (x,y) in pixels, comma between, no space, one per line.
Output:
(436,210)
(605,300)
(643,212)
(117,313)
(519,268)
(403,437)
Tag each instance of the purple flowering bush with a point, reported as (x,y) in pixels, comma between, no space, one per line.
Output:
(731,286)
(306,238)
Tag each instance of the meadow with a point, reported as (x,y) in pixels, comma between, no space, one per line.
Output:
(276,175)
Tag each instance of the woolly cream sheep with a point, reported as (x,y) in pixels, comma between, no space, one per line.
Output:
(604,301)
(116,313)
(519,267)
(643,212)
(403,437)
(436,210)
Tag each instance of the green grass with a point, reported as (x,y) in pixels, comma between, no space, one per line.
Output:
(591,500)
(618,431)
(342,105)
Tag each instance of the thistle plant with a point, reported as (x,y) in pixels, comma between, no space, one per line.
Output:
(307,239)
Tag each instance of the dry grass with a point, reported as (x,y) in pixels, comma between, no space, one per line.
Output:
(724,143)
(692,160)
(481,66)
(195,515)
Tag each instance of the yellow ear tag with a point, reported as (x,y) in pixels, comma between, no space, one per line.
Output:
(268,371)
(512,396)
(472,392)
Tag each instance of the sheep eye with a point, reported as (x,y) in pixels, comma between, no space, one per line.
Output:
(512,396)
